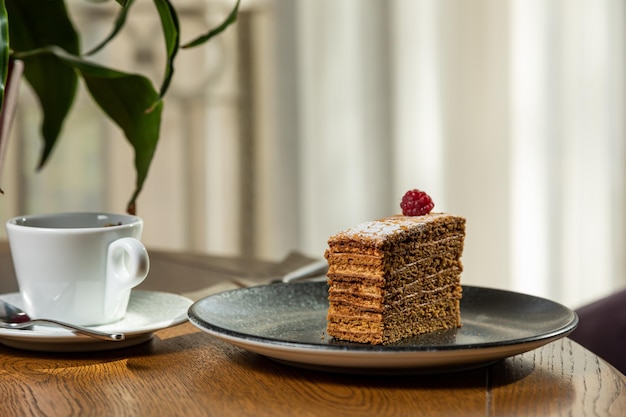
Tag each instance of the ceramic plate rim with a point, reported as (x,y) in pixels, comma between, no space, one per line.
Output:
(357,356)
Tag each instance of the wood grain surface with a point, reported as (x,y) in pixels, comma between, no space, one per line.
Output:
(185,372)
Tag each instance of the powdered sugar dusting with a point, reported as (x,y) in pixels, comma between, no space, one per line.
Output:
(389,226)
(375,227)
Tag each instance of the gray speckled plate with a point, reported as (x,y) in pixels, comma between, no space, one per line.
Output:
(148,311)
(287,322)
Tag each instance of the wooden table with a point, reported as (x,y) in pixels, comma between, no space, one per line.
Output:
(186,372)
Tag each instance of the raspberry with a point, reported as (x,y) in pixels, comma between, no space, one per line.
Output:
(416,203)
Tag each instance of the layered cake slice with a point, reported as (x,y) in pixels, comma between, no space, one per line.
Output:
(395,277)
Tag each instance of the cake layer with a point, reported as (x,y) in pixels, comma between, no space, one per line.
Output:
(340,262)
(374,297)
(353,304)
(420,269)
(372,328)
(378,236)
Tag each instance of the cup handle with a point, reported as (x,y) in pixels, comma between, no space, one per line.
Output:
(127,266)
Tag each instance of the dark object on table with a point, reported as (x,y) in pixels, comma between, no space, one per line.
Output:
(602,329)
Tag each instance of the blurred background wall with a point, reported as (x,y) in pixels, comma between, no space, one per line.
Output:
(310,116)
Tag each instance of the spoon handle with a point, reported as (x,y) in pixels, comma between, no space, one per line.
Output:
(116,337)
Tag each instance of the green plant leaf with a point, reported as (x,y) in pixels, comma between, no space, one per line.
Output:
(125,98)
(171,33)
(53,83)
(4,50)
(230,19)
(119,24)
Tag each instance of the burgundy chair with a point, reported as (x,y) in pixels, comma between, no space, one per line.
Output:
(602,329)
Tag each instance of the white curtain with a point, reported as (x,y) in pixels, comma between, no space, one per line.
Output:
(311,116)
(507,112)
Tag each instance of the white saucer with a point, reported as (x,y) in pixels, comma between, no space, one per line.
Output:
(148,311)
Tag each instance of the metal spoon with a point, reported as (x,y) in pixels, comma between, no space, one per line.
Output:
(12,317)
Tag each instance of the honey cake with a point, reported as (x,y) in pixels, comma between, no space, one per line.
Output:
(396,277)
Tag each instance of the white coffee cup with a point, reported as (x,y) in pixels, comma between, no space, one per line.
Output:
(77,267)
